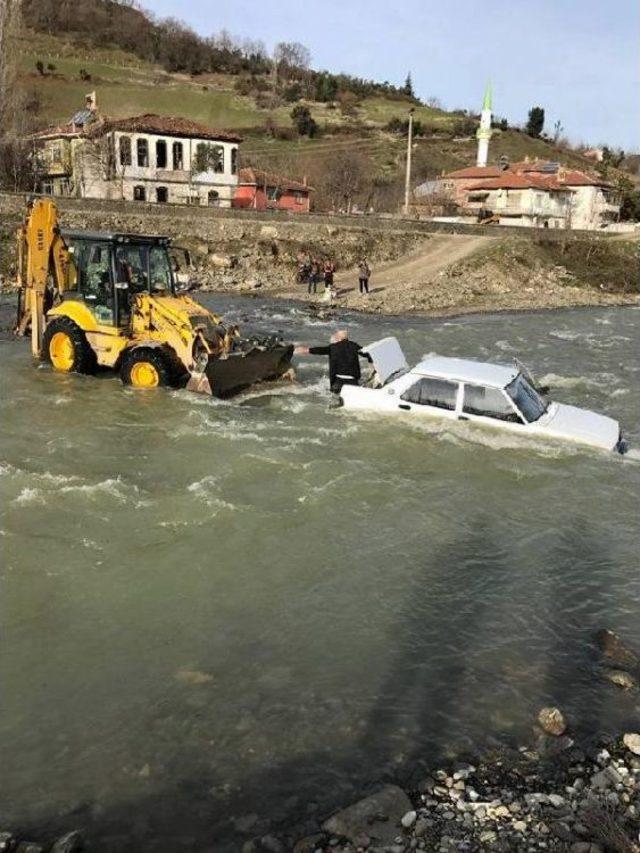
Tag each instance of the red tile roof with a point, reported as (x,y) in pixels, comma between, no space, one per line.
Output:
(564,176)
(515,181)
(147,123)
(256,177)
(475,172)
(57,130)
(163,126)
(582,179)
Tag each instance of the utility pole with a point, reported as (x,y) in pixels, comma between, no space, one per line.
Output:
(407,178)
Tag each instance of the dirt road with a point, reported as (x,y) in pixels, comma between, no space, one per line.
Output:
(436,254)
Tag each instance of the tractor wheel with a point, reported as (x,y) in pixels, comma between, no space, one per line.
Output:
(147,367)
(65,346)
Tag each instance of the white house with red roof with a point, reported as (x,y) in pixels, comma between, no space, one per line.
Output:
(145,158)
(533,193)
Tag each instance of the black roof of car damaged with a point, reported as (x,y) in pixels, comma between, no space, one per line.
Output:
(114,237)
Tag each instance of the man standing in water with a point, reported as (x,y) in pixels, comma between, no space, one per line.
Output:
(344,359)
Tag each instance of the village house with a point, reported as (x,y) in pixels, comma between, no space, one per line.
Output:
(267,191)
(145,158)
(533,193)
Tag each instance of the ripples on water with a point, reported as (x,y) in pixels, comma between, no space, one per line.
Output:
(220,608)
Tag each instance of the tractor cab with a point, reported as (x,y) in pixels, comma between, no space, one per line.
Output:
(110,269)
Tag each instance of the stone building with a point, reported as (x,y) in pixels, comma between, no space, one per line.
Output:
(146,158)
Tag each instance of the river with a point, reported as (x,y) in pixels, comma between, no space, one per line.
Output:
(223,617)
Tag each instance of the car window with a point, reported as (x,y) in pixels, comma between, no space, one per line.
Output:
(489,403)
(432,392)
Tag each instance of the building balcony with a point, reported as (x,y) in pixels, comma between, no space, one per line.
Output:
(530,210)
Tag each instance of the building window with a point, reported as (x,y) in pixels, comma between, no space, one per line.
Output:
(139,193)
(142,152)
(177,156)
(162,195)
(213,198)
(125,150)
(161,154)
(234,161)
(299,197)
(208,158)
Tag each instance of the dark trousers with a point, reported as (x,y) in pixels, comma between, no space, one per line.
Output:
(336,385)
(313,283)
(364,285)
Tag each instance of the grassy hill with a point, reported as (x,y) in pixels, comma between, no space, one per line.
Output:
(126,85)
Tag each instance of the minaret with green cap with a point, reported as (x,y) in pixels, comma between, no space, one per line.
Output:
(483,134)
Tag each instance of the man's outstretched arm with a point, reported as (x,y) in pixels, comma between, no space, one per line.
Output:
(302,350)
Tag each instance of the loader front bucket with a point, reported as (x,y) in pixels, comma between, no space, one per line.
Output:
(227,375)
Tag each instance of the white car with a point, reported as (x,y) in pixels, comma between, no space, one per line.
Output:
(457,389)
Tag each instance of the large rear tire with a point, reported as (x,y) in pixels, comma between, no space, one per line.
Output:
(65,346)
(147,367)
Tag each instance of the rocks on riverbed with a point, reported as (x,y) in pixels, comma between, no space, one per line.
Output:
(583,801)
(72,842)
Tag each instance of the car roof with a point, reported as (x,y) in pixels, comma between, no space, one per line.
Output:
(466,370)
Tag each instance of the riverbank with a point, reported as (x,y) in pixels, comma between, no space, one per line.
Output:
(454,274)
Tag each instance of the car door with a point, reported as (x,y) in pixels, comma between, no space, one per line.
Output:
(430,396)
(489,405)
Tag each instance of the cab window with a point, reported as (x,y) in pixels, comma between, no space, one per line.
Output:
(433,392)
(93,262)
(160,270)
(489,403)
(131,267)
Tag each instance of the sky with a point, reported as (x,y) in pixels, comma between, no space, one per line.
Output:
(579,59)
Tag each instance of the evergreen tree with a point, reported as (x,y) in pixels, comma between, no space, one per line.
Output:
(407,89)
(535,122)
(303,120)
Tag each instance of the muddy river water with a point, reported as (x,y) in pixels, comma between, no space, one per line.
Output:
(220,617)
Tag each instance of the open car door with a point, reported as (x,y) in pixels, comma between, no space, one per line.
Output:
(387,358)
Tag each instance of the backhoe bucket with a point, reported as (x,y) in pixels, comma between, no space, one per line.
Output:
(227,375)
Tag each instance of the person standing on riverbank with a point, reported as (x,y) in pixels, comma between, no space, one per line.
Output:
(314,277)
(364,274)
(344,359)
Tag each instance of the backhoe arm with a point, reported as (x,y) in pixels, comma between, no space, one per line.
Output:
(45,269)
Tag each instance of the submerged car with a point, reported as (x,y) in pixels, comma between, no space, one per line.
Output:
(495,395)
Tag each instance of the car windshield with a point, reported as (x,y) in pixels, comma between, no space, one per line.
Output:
(526,399)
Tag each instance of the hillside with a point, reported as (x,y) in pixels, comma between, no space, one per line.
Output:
(128,85)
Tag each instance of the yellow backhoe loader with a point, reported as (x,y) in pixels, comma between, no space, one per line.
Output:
(109,300)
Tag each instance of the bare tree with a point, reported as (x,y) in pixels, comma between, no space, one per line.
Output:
(18,111)
(291,55)
(557,131)
(344,178)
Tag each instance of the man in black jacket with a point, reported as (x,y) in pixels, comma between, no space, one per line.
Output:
(344,359)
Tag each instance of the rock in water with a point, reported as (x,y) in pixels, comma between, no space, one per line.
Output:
(552,721)
(613,648)
(408,819)
(69,843)
(376,816)
(193,676)
(632,742)
(7,842)
(621,679)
